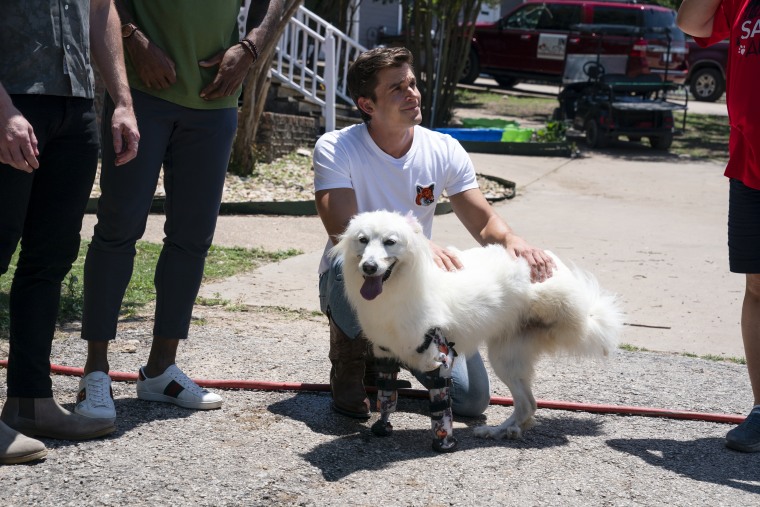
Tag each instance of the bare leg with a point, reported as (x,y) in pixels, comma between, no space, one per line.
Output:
(746,436)
(163,353)
(97,357)
(751,332)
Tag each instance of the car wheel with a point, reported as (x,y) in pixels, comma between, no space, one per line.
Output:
(471,69)
(707,84)
(662,142)
(506,82)
(595,138)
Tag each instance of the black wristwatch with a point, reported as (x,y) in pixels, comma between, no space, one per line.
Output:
(128,29)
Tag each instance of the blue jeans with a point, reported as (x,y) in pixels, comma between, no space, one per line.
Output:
(44,210)
(471,390)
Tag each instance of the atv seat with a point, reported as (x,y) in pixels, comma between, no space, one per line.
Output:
(620,83)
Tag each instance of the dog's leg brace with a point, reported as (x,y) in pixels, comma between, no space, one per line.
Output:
(387,394)
(438,382)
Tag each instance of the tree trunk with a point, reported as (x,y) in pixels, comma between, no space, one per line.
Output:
(439,59)
(255,92)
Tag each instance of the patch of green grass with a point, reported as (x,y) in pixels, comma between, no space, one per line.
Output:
(705,137)
(220,263)
(495,104)
(631,348)
(707,357)
(470,99)
(714,357)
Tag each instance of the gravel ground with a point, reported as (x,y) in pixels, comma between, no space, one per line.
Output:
(289,448)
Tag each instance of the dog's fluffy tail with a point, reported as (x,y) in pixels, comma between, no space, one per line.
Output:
(604,321)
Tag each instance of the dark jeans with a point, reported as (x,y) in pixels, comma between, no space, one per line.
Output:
(194,147)
(44,210)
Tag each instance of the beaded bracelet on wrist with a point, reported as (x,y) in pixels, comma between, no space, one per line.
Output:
(250,46)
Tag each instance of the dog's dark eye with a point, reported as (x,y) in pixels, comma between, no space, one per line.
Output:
(363,240)
(389,242)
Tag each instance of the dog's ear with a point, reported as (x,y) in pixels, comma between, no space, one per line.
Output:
(413,222)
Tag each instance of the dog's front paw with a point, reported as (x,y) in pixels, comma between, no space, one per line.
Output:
(498,432)
(508,429)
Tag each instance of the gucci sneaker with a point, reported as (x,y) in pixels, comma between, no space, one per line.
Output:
(173,386)
(95,397)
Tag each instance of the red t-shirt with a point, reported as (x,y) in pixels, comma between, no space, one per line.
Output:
(739,21)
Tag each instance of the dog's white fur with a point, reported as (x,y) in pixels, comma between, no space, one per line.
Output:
(491,300)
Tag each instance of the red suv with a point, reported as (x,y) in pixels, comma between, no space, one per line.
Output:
(531,41)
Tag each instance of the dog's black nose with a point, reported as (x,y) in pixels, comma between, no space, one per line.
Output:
(369,268)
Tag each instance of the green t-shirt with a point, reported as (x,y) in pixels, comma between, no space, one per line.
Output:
(188,31)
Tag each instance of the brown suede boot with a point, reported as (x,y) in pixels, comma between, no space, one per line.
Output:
(17,448)
(347,357)
(370,368)
(44,417)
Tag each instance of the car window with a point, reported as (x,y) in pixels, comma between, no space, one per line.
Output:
(616,16)
(664,19)
(559,17)
(526,18)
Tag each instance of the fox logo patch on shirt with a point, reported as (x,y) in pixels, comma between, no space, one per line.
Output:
(425,195)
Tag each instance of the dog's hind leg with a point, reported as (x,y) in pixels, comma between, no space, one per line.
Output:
(513,363)
(387,394)
(438,382)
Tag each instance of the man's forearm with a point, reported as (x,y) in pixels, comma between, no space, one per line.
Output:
(5,100)
(695,17)
(107,51)
(262,19)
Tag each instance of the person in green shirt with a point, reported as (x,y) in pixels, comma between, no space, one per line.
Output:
(185,64)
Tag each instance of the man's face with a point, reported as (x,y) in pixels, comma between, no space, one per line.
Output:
(397,102)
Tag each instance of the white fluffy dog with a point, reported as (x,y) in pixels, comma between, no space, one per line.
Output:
(400,294)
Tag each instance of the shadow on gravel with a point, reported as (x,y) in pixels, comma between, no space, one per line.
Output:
(704,460)
(130,414)
(357,449)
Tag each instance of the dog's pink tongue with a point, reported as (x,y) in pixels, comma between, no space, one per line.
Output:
(372,287)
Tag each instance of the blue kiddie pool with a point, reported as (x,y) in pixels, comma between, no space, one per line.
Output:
(476,134)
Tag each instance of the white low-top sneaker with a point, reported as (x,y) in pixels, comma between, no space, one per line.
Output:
(95,397)
(173,386)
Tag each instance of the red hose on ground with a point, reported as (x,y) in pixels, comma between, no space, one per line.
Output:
(263,385)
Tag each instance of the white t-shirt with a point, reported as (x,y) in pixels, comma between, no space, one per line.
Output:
(349,158)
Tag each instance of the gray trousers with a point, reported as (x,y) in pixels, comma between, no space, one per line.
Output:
(194,147)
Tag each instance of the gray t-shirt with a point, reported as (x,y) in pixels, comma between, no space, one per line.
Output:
(45,47)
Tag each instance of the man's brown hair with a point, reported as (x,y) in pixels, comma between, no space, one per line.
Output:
(362,74)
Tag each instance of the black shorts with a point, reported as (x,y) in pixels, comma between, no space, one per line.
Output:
(743,228)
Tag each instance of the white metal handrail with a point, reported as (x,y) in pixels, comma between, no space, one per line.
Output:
(313,56)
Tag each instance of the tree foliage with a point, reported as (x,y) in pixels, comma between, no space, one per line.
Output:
(438,33)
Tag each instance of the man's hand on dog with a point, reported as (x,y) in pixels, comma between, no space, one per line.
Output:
(541,265)
(445,259)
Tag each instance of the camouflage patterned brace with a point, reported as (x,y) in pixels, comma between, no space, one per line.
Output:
(438,382)
(387,394)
